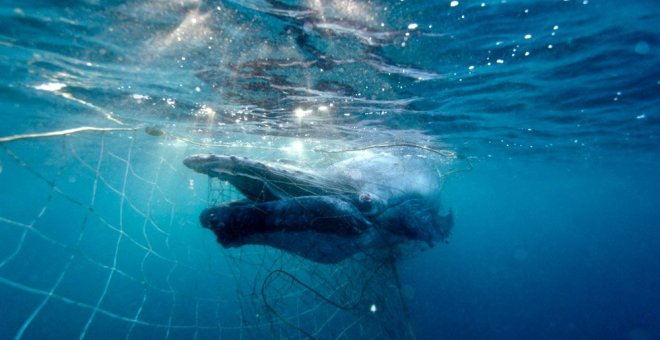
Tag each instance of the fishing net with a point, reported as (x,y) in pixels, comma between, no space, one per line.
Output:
(100,237)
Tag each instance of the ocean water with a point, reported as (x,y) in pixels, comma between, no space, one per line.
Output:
(546,116)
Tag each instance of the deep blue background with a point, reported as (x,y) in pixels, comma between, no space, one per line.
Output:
(545,250)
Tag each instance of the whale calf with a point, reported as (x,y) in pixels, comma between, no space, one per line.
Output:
(326,215)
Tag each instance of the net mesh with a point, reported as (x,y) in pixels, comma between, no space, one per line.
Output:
(100,238)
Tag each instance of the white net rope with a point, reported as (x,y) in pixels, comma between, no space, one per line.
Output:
(97,236)
(290,297)
(101,238)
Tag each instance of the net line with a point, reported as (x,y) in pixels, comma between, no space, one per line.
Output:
(126,186)
(94,212)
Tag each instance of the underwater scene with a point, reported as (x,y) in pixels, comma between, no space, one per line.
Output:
(329,169)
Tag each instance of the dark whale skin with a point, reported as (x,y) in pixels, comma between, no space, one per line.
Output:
(323,216)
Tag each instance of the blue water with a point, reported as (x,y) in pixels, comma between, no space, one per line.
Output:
(552,110)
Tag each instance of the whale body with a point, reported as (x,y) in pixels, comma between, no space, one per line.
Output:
(326,215)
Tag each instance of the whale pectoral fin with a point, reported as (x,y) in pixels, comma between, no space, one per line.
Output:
(238,224)
(324,229)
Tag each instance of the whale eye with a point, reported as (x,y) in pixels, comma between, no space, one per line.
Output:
(212,219)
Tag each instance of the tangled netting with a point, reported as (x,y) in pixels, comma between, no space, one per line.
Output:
(100,237)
